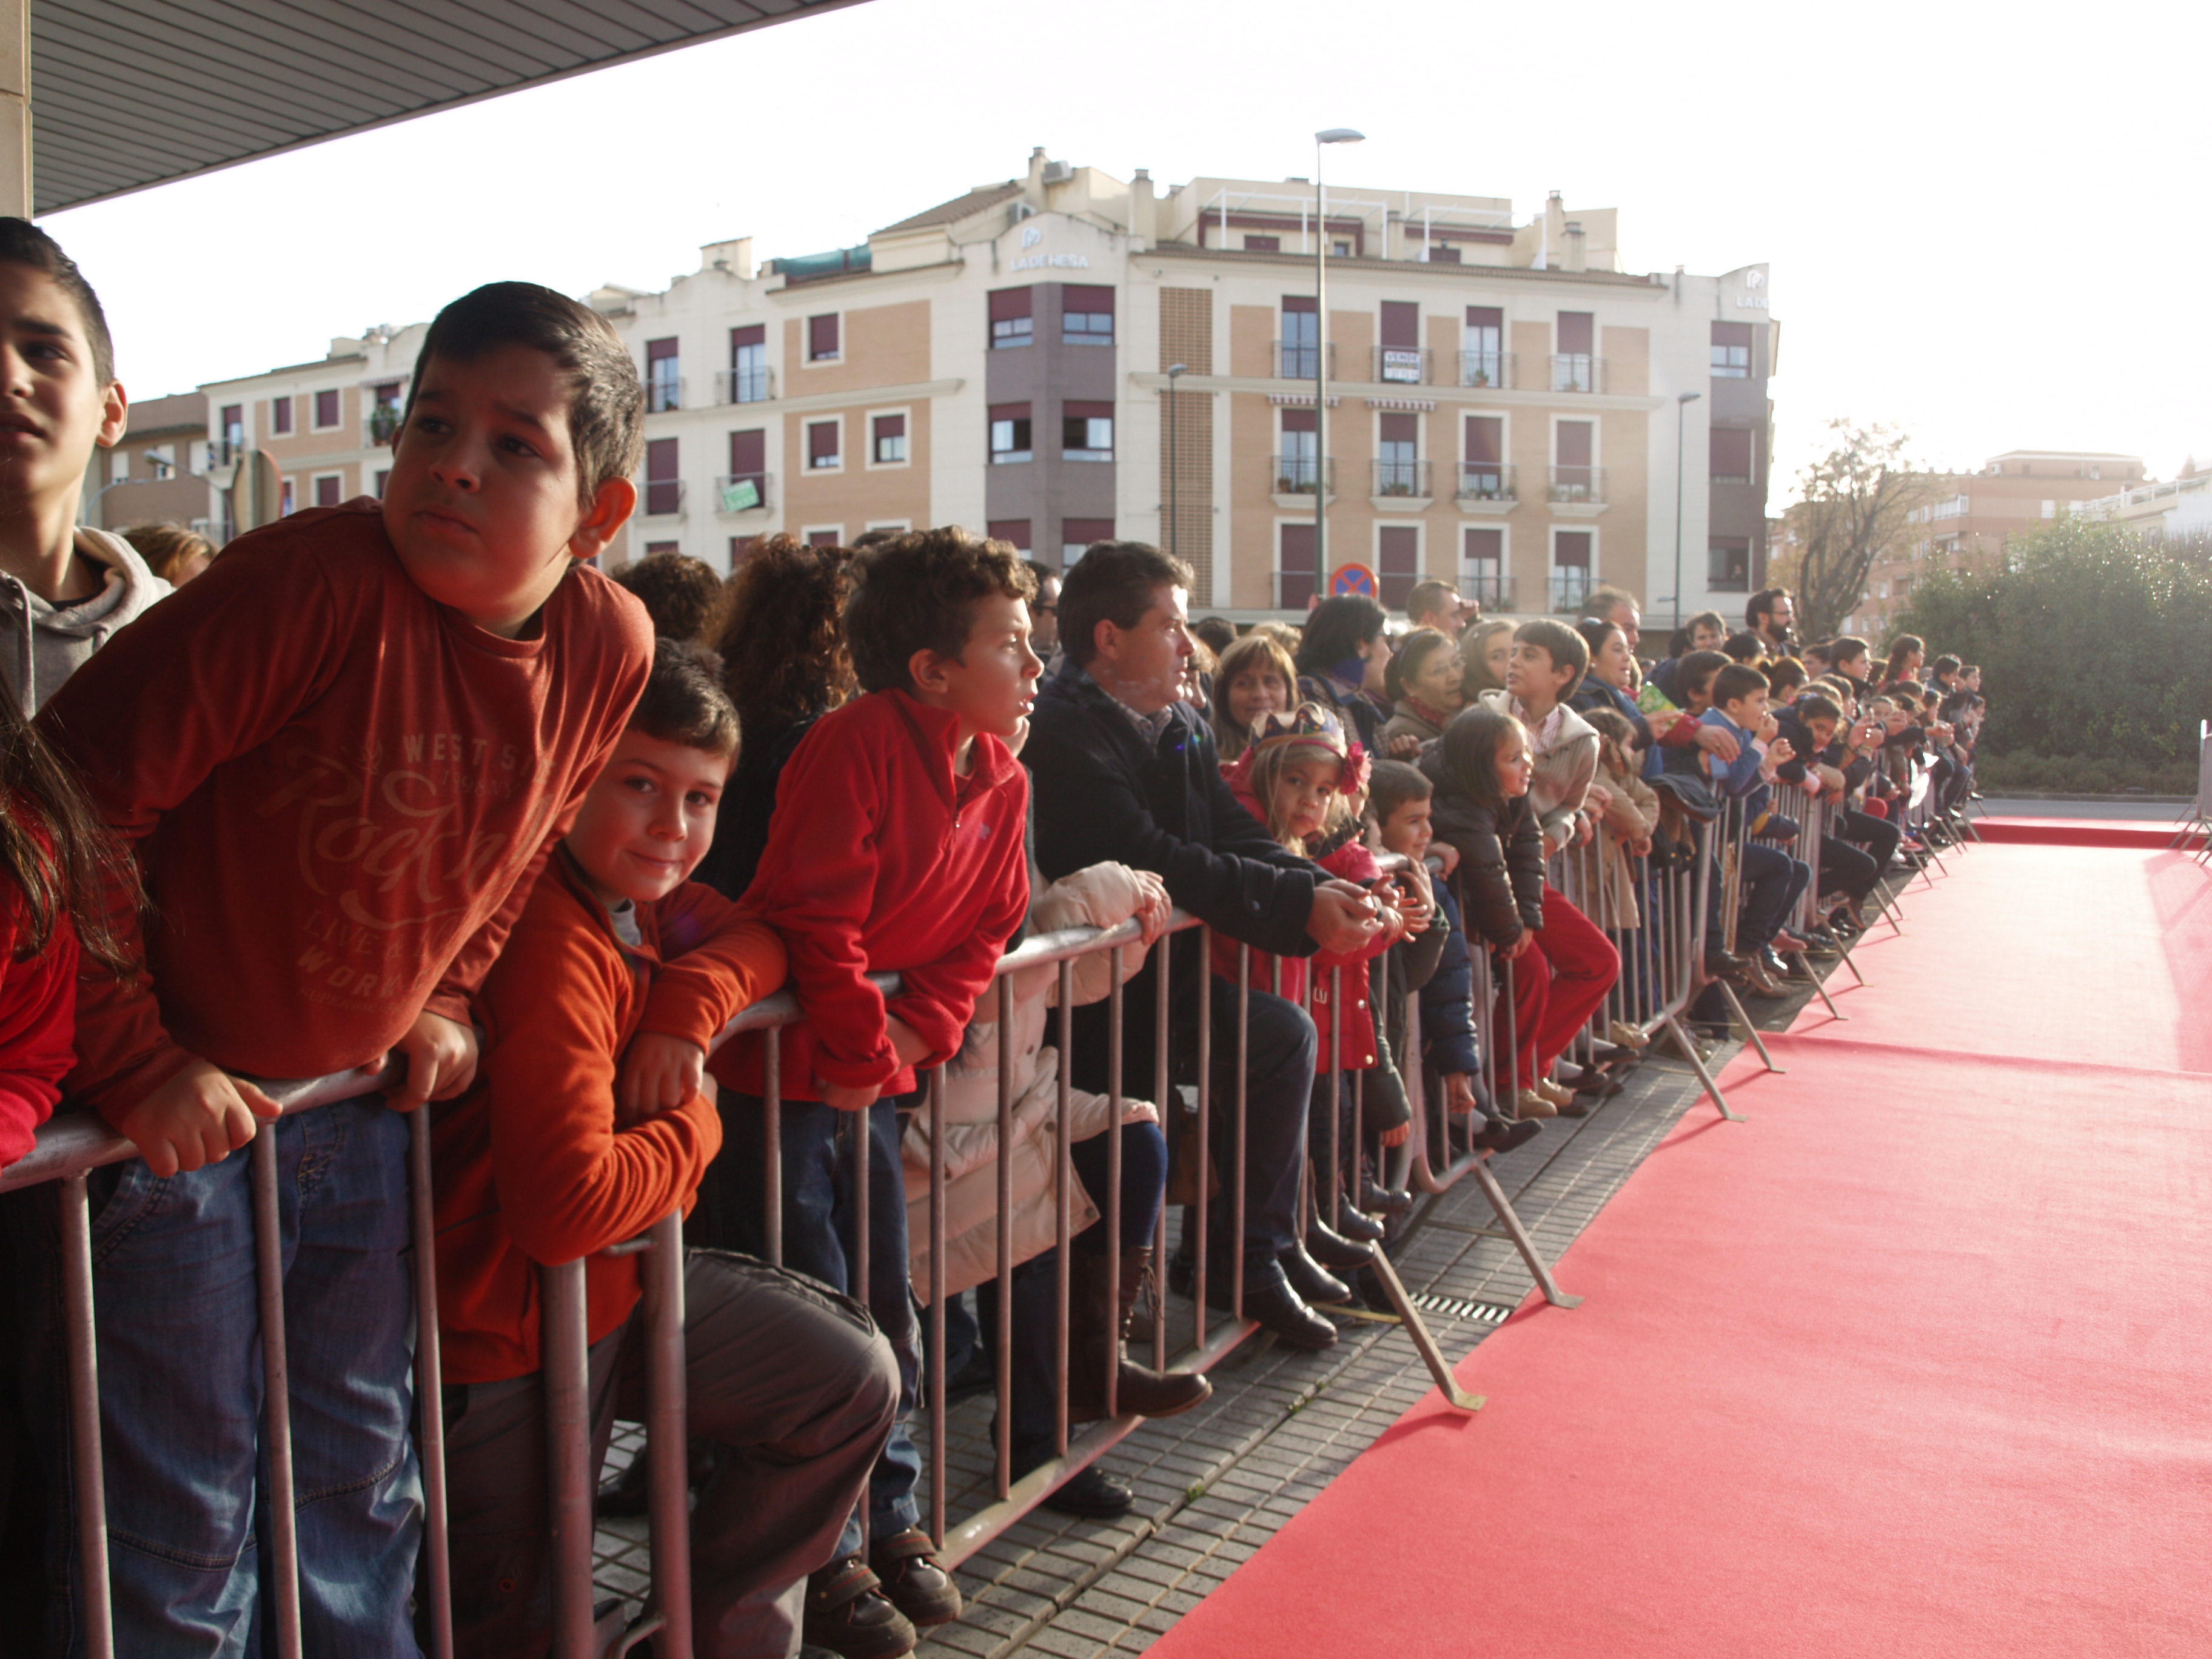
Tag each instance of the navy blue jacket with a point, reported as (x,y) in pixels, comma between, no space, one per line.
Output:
(1447,999)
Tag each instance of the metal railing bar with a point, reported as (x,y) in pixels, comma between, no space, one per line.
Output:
(276,1399)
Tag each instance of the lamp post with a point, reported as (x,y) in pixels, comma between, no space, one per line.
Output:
(1682,403)
(1175,467)
(1328,136)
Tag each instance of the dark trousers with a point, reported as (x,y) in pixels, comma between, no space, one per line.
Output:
(790,1379)
(1878,835)
(817,1145)
(1846,870)
(1771,882)
(1278,1072)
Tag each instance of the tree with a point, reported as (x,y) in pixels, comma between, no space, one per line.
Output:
(1852,504)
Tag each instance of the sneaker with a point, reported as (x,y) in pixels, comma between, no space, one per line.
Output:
(848,1612)
(1628,1036)
(1529,1104)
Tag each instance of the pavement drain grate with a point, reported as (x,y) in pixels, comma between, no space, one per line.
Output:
(1458,1307)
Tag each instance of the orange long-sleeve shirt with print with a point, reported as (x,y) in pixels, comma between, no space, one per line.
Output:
(339,791)
(528,1166)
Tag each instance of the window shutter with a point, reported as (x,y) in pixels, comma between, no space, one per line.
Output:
(1486,317)
(1294,565)
(1574,442)
(1401,429)
(1295,303)
(327,409)
(1731,454)
(753,334)
(1081,532)
(1570,550)
(656,350)
(748,452)
(1013,530)
(1010,412)
(280,415)
(890,426)
(1091,411)
(1398,561)
(661,466)
(1485,440)
(1577,330)
(1402,325)
(1485,546)
(1298,420)
(822,443)
(1008,303)
(822,337)
(326,492)
(1083,297)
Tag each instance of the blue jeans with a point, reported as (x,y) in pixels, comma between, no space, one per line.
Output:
(816,1147)
(175,1290)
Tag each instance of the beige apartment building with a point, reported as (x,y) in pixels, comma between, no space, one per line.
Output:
(1973,513)
(2165,512)
(1499,393)
(157,474)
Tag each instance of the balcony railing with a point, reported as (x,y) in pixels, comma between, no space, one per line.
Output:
(1490,368)
(664,497)
(1488,589)
(381,427)
(663,392)
(1575,372)
(1577,483)
(1486,481)
(1295,361)
(1402,365)
(221,451)
(1570,586)
(742,492)
(1402,478)
(744,386)
(1296,475)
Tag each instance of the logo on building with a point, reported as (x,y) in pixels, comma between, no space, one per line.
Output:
(1032,234)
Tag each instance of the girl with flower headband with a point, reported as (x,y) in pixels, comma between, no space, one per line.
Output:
(1306,781)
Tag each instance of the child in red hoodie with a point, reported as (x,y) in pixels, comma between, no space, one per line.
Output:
(897,847)
(585,1126)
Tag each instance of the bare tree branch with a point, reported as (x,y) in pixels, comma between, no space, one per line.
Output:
(1852,504)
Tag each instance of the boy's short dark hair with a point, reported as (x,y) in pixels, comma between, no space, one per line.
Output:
(1735,682)
(683,595)
(1219,633)
(1945,664)
(919,593)
(25,243)
(1843,647)
(1912,688)
(1114,583)
(1692,673)
(1392,784)
(1744,645)
(684,701)
(1565,647)
(606,403)
(1818,707)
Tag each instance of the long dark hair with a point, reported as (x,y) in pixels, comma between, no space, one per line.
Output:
(57,853)
(1339,626)
(1467,755)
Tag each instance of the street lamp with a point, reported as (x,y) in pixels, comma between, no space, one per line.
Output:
(1681,407)
(1328,136)
(1175,467)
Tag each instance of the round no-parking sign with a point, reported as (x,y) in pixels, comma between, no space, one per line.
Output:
(1352,579)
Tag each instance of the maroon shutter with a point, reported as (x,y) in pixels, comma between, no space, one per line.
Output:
(1398,556)
(1485,440)
(664,493)
(825,538)
(326,492)
(1015,531)
(1570,550)
(1082,533)
(1078,296)
(1574,441)
(752,334)
(741,549)
(747,454)
(1295,565)
(1093,411)
(822,443)
(821,337)
(327,409)
(656,350)
(280,415)
(1731,454)
(1577,330)
(383,478)
(890,426)
(1008,303)
(1010,412)
(651,548)
(1486,317)
(1485,546)
(1732,334)
(1296,302)
(1298,420)
(1263,245)
(1402,325)
(232,415)
(1401,429)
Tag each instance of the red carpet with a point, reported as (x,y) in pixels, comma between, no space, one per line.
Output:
(2144,836)
(1916,1363)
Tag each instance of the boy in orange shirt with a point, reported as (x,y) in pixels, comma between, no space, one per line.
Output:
(586,1125)
(340,758)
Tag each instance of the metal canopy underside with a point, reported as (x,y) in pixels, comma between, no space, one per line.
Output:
(125,94)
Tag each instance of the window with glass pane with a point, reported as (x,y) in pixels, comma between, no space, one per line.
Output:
(825,445)
(1294,566)
(1087,314)
(1573,367)
(1731,351)
(1484,578)
(749,364)
(663,388)
(1010,434)
(1298,463)
(1395,468)
(1482,361)
(890,440)
(1301,337)
(1078,536)
(822,345)
(1011,324)
(1086,432)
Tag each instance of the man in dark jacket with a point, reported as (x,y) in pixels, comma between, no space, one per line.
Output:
(1123,771)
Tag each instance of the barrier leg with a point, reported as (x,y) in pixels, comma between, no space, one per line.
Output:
(1682,1041)
(430,1381)
(565,1364)
(937,1382)
(276,1403)
(87,1471)
(1063,1228)
(1510,1221)
(1112,1220)
(1410,1317)
(1006,1248)
(667,1444)
(1197,1218)
(1750,1031)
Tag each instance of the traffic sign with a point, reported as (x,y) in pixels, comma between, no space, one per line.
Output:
(1352,579)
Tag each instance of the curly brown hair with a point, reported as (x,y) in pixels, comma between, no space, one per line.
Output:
(783,640)
(919,594)
(684,597)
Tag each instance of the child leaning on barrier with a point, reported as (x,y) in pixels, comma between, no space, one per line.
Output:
(896,847)
(586,1125)
(341,756)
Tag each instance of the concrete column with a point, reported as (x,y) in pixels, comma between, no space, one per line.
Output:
(15,108)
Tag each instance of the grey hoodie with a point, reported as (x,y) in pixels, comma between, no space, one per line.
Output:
(46,642)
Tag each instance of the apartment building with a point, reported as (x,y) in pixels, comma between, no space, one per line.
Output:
(1973,513)
(157,473)
(2164,512)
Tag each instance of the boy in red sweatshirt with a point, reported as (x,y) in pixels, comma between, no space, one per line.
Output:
(586,1125)
(897,847)
(341,757)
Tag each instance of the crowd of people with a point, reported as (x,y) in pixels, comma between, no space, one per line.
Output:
(406,778)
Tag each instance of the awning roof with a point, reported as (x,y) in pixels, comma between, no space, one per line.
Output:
(125,94)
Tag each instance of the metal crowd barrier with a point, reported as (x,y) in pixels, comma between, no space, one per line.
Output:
(2195,819)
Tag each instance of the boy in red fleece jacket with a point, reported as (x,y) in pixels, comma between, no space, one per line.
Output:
(341,757)
(897,847)
(586,1125)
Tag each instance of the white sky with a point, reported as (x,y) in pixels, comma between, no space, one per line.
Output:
(1987,224)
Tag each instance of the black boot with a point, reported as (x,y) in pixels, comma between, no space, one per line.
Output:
(1313,1282)
(1333,1250)
(1098,1334)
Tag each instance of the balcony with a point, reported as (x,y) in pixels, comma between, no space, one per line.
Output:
(1295,477)
(1570,588)
(663,393)
(1577,491)
(744,386)
(1577,372)
(381,427)
(1486,486)
(742,492)
(1402,365)
(1294,360)
(1490,368)
(1488,589)
(664,498)
(1400,481)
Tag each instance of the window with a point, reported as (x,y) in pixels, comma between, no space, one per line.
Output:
(664,483)
(1401,334)
(1571,567)
(1731,351)
(830,535)
(383,478)
(2096,471)
(327,488)
(1731,453)
(284,500)
(326,410)
(1573,478)
(384,406)
(1077,535)
(1086,432)
(741,549)
(747,485)
(1298,355)
(651,548)
(822,339)
(234,431)
(1011,321)
(1294,565)
(825,445)
(2050,509)
(1397,467)
(1340,248)
(1728,564)
(1086,315)
(1443,253)
(1482,474)
(1297,463)
(1014,531)
(1573,367)
(1263,245)
(1484,579)
(1397,564)
(280,415)
(749,364)
(664,386)
(1010,434)
(118,467)
(1482,358)
(889,444)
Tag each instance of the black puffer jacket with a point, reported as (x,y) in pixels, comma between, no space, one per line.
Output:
(1501,863)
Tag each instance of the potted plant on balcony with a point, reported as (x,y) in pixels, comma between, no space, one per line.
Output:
(383,423)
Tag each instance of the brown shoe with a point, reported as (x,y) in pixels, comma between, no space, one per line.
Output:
(1098,1329)
(1758,982)
(849,1614)
(918,1587)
